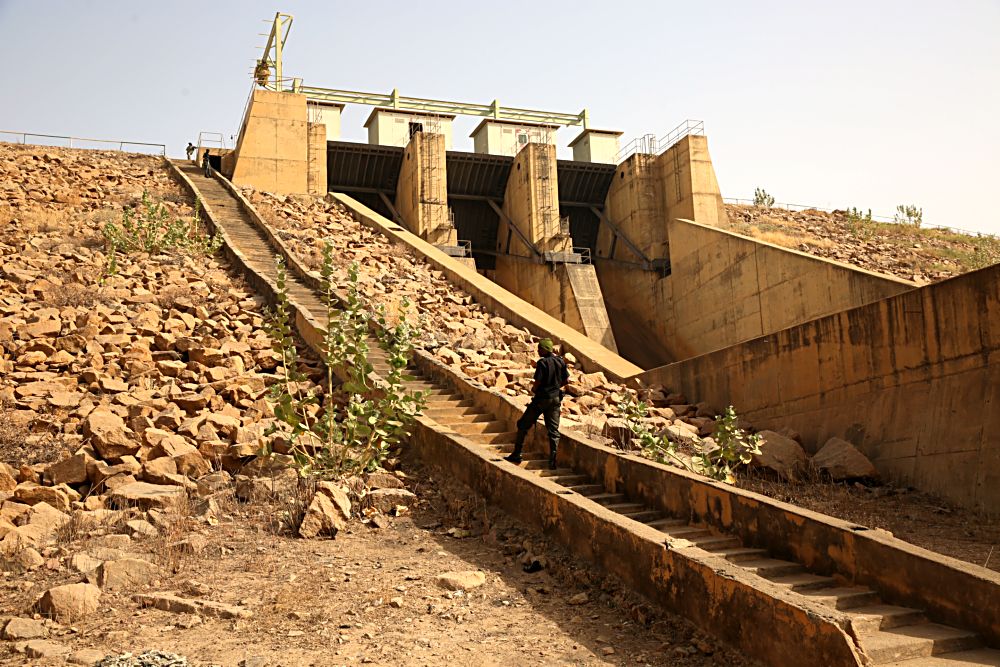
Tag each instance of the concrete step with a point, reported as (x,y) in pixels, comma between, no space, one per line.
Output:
(504,438)
(915,641)
(771,567)
(588,490)
(687,532)
(875,617)
(563,476)
(643,516)
(844,597)
(982,657)
(803,581)
(608,498)
(667,524)
(737,553)
(717,542)
(478,427)
(468,418)
(437,413)
(622,508)
(435,399)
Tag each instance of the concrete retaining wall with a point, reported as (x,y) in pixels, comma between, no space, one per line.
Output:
(913,381)
(723,288)
(729,288)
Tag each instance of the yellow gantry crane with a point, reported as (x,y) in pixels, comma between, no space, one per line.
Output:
(270,64)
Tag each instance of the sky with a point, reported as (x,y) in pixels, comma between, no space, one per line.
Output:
(870,103)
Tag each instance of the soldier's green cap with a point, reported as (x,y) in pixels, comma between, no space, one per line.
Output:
(546,344)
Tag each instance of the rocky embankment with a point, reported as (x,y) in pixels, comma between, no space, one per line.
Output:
(920,254)
(133,403)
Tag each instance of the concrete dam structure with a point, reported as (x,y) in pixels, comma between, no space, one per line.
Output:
(627,250)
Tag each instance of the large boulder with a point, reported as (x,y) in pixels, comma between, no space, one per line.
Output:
(146,496)
(323,518)
(124,574)
(386,500)
(780,454)
(108,434)
(70,602)
(841,460)
(461,581)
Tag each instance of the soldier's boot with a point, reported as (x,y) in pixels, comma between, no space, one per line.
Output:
(553,448)
(515,456)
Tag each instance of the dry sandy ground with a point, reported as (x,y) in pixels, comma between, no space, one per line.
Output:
(370,597)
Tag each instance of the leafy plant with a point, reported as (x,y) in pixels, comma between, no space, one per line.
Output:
(353,425)
(733,446)
(151,230)
(860,224)
(762,199)
(986,253)
(908,214)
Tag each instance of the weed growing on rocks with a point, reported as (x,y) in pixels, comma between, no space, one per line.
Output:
(861,225)
(354,423)
(151,230)
(719,459)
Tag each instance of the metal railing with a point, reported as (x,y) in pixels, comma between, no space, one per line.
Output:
(83,143)
(651,144)
(211,139)
(877,218)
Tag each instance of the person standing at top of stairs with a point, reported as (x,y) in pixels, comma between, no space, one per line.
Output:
(206,165)
(551,375)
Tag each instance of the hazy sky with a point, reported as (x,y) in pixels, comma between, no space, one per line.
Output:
(834,104)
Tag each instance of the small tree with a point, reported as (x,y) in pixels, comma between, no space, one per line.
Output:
(908,214)
(349,426)
(761,199)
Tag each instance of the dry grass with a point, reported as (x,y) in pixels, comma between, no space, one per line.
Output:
(779,238)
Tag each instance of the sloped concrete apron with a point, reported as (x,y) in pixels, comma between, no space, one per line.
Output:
(769,623)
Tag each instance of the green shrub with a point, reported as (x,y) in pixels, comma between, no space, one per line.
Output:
(733,446)
(861,225)
(762,199)
(152,230)
(358,422)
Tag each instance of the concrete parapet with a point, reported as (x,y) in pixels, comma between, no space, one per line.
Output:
(531,202)
(912,380)
(422,190)
(534,231)
(568,292)
(273,149)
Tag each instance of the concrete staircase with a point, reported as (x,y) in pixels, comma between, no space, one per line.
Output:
(888,634)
